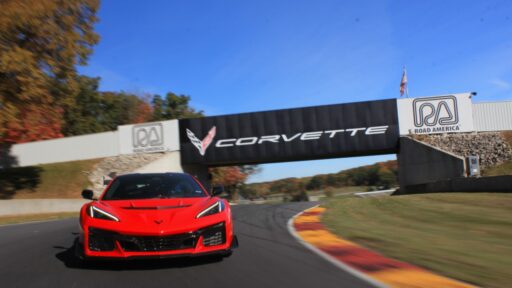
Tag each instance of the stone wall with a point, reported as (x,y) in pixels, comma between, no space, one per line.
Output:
(493,148)
(119,165)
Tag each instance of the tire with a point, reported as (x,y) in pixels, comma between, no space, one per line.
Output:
(78,259)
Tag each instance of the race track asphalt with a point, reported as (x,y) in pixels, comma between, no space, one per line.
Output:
(40,255)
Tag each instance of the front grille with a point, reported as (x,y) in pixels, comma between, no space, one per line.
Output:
(157,243)
(214,235)
(101,240)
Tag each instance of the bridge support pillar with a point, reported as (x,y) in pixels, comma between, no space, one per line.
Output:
(420,163)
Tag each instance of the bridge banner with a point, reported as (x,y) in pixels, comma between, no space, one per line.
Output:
(352,129)
(436,114)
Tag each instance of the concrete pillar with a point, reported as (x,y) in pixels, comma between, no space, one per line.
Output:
(420,163)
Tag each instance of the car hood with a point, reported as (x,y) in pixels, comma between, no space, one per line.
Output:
(157,215)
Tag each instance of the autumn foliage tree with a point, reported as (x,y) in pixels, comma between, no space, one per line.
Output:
(232,177)
(381,174)
(96,111)
(41,43)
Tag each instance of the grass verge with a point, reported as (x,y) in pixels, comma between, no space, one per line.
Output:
(503,169)
(466,236)
(36,217)
(59,180)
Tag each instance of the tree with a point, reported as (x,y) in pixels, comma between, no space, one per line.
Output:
(158,108)
(387,179)
(103,111)
(331,180)
(287,186)
(84,117)
(121,108)
(314,184)
(173,107)
(232,177)
(41,43)
(248,191)
(372,175)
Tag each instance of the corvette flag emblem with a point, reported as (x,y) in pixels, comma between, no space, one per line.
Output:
(202,145)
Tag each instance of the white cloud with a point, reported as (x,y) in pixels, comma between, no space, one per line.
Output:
(501,84)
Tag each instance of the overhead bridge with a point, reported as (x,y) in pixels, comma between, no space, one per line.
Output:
(308,133)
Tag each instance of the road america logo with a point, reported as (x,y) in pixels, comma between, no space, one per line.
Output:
(202,145)
(436,114)
(435,111)
(148,138)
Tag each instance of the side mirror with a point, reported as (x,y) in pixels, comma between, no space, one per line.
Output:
(217,190)
(106,181)
(88,194)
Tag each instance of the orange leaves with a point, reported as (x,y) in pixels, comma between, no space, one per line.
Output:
(144,112)
(228,176)
(34,123)
(41,43)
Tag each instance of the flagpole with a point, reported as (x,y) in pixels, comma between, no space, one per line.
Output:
(407,86)
(404,89)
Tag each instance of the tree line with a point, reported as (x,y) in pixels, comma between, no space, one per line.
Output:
(42,96)
(379,175)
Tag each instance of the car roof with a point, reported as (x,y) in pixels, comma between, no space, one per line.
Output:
(150,174)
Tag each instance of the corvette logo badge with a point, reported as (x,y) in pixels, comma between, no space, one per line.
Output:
(202,145)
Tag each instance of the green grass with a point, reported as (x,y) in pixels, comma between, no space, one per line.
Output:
(467,236)
(36,217)
(503,169)
(59,180)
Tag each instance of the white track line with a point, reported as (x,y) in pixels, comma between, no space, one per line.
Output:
(328,257)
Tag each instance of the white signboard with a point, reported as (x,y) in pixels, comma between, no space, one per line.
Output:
(149,137)
(436,114)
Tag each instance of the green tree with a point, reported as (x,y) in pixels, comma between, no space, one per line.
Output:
(314,183)
(41,43)
(120,108)
(85,116)
(331,180)
(173,107)
(387,179)
(247,191)
(158,108)
(372,175)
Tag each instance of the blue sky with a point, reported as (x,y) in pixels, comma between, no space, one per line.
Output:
(240,56)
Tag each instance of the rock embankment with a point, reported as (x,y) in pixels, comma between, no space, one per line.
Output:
(493,148)
(119,165)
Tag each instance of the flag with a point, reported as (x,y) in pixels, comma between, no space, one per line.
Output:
(403,84)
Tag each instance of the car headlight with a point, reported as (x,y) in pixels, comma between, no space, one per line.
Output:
(96,212)
(217,207)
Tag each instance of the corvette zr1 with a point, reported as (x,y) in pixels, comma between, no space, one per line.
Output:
(155,215)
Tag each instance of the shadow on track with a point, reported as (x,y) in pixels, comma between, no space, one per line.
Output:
(70,260)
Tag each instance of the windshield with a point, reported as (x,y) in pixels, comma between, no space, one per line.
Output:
(150,186)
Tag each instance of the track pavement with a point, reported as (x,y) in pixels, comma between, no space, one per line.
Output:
(40,255)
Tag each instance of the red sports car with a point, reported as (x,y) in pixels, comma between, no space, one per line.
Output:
(155,215)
